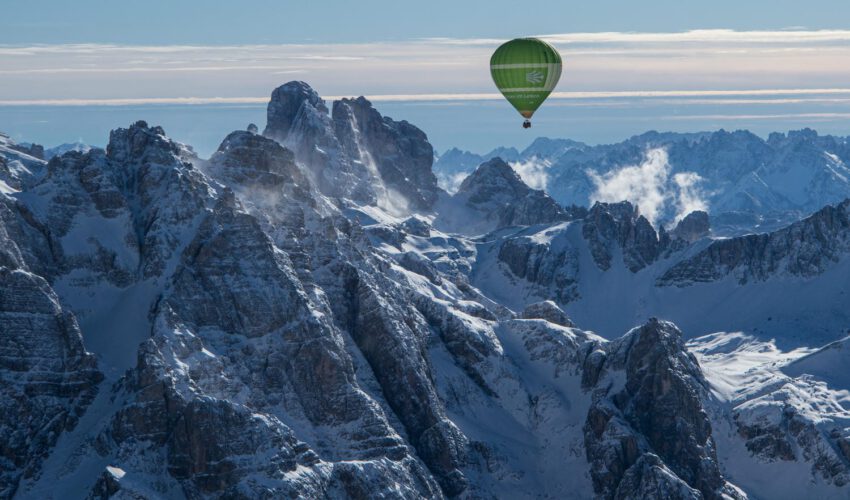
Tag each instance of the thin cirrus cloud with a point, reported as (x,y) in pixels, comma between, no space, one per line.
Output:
(569,98)
(712,36)
(692,65)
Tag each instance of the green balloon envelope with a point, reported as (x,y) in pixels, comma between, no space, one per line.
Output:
(526,71)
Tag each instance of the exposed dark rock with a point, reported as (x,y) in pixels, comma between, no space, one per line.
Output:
(34,150)
(549,311)
(255,162)
(417,226)
(610,224)
(399,151)
(805,248)
(48,377)
(496,191)
(693,227)
(538,263)
(648,401)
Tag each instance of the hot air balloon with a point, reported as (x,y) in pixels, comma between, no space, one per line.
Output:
(526,70)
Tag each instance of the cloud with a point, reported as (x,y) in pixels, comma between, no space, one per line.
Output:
(689,196)
(136,101)
(650,187)
(451,182)
(706,36)
(137,69)
(699,36)
(706,63)
(753,117)
(684,97)
(533,172)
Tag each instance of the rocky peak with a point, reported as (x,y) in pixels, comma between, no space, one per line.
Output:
(354,153)
(544,147)
(299,119)
(493,178)
(508,154)
(142,144)
(805,134)
(288,102)
(460,157)
(399,152)
(609,224)
(648,398)
(693,227)
(65,148)
(164,192)
(496,194)
(248,158)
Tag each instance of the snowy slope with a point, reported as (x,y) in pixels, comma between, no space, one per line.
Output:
(17,166)
(793,420)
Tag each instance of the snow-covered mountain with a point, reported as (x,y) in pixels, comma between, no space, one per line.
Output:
(745,182)
(306,314)
(18,164)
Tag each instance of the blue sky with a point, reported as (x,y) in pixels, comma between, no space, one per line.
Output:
(629,66)
(270,21)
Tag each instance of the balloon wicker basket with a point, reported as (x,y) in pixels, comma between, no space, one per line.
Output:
(526,124)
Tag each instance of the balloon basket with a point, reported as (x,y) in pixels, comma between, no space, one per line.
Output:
(526,124)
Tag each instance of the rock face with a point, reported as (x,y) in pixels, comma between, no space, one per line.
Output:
(495,194)
(620,224)
(549,311)
(48,379)
(289,103)
(539,263)
(758,256)
(693,227)
(299,119)
(550,260)
(399,152)
(649,410)
(245,160)
(34,150)
(354,152)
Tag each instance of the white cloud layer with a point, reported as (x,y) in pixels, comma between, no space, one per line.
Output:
(533,172)
(650,187)
(683,97)
(697,63)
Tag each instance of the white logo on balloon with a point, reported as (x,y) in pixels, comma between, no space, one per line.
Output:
(534,77)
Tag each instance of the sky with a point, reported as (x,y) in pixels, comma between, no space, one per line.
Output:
(75,70)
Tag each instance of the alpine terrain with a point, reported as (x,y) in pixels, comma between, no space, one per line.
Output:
(308,313)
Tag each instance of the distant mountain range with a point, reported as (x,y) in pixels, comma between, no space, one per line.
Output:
(308,314)
(744,182)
